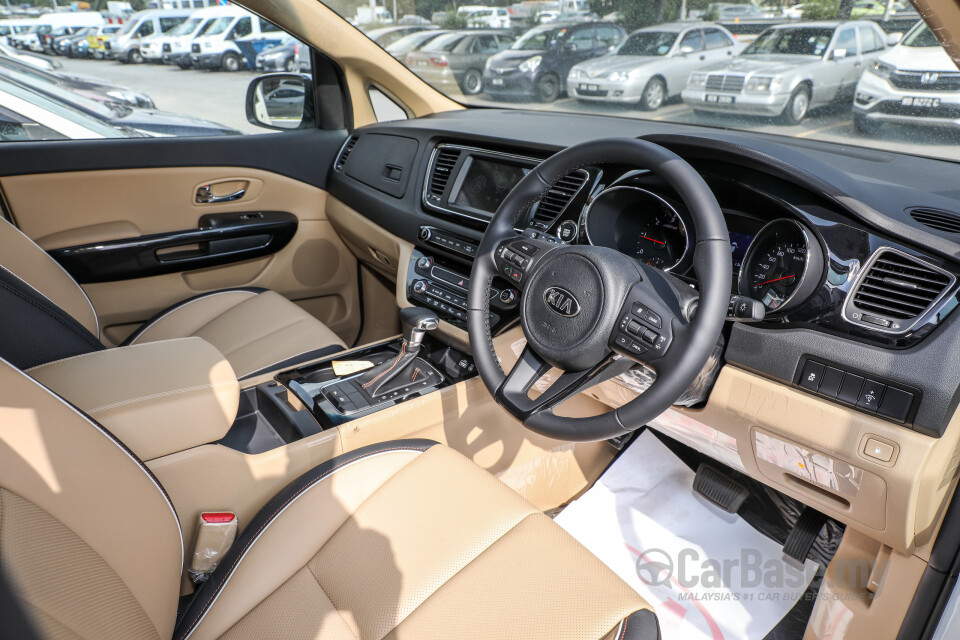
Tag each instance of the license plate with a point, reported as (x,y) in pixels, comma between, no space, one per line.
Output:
(589,87)
(422,63)
(497,82)
(719,99)
(930,103)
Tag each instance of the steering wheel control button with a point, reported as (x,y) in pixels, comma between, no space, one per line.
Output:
(830,384)
(650,337)
(567,231)
(525,248)
(878,450)
(896,404)
(812,376)
(634,327)
(850,388)
(870,395)
(651,318)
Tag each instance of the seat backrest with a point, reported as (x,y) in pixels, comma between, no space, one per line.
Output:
(88,538)
(44,312)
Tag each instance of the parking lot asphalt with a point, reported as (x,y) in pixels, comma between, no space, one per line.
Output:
(219,96)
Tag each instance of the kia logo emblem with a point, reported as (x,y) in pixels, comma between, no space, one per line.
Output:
(561,302)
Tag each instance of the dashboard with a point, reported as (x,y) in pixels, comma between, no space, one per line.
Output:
(848,279)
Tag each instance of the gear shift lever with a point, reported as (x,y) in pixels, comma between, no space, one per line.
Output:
(416,322)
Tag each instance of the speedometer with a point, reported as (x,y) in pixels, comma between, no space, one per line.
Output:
(783,265)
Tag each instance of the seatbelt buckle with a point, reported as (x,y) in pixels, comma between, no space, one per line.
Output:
(216,531)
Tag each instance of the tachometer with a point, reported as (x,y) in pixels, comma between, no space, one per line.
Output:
(640,224)
(783,265)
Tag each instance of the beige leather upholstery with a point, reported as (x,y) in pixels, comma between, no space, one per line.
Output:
(31,264)
(86,535)
(157,397)
(404,544)
(254,329)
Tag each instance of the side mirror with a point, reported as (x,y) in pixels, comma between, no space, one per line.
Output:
(281,101)
(894,38)
(686,50)
(839,54)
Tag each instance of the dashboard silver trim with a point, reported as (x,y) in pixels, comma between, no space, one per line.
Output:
(585,217)
(535,162)
(803,287)
(932,309)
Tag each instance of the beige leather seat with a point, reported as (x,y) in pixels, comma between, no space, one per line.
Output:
(402,540)
(49,317)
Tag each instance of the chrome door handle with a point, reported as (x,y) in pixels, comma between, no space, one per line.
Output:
(205,196)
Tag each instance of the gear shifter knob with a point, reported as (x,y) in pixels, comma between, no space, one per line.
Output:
(416,322)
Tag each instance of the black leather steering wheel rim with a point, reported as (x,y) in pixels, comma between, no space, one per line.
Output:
(712,265)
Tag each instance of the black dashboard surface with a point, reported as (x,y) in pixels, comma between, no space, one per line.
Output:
(857,199)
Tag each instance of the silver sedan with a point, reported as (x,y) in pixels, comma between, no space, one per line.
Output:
(789,70)
(651,65)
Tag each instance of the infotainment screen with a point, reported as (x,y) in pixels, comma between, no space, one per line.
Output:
(486,183)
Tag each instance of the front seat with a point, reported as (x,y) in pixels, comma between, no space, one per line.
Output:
(401,540)
(47,316)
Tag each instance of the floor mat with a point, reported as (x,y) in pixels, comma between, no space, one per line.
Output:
(707,573)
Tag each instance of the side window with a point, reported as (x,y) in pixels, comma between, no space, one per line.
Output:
(581,40)
(847,39)
(486,44)
(244,28)
(504,42)
(607,36)
(169,23)
(146,29)
(869,40)
(268,27)
(692,41)
(716,39)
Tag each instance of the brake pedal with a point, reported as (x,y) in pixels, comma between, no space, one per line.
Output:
(719,488)
(804,534)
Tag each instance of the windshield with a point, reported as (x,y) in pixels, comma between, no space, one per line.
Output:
(806,41)
(128,27)
(538,39)
(216,27)
(921,37)
(648,43)
(186,28)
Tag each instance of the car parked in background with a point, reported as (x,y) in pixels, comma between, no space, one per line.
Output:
(28,115)
(216,46)
(149,121)
(124,45)
(413,42)
(385,36)
(67,45)
(87,86)
(916,82)
(97,42)
(40,62)
(286,56)
(788,70)
(458,58)
(175,45)
(652,64)
(489,18)
(538,63)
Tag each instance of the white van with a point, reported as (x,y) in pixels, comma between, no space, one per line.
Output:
(15,26)
(216,46)
(53,25)
(173,47)
(125,44)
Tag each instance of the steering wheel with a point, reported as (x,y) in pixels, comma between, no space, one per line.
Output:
(593,312)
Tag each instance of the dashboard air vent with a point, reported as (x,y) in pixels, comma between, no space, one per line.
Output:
(345,152)
(895,289)
(557,198)
(937,219)
(442,169)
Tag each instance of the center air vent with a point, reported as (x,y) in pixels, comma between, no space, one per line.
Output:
(557,198)
(442,168)
(345,152)
(895,290)
(937,219)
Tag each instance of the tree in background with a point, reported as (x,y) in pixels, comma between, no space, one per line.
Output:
(820,9)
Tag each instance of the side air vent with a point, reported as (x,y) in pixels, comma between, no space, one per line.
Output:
(557,198)
(345,152)
(442,169)
(937,219)
(895,290)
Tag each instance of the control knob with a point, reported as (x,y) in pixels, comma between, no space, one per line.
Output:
(425,263)
(507,296)
(419,286)
(425,233)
